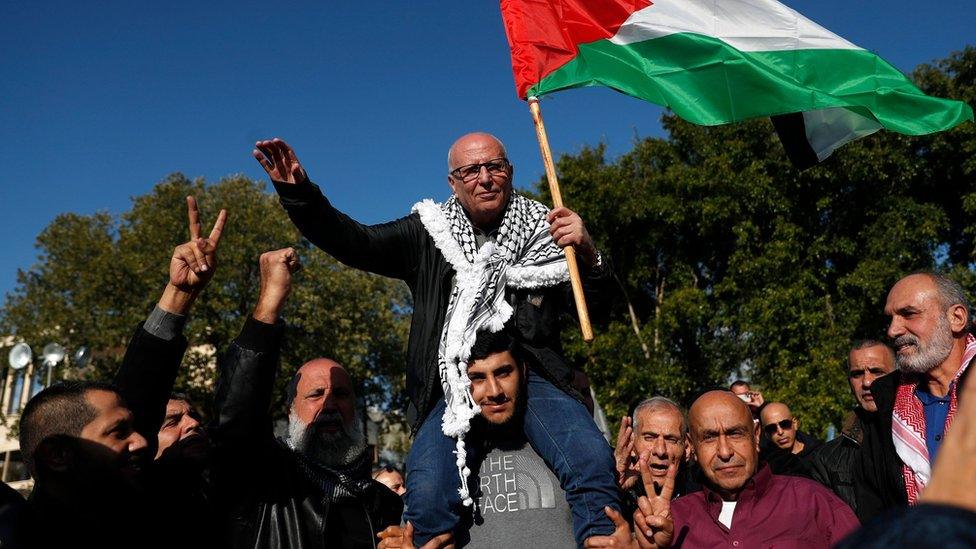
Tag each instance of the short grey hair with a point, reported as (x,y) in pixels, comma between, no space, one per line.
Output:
(950,292)
(657,403)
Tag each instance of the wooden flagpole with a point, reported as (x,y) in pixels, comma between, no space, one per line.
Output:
(557,202)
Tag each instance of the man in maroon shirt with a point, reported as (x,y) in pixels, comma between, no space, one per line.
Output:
(741,504)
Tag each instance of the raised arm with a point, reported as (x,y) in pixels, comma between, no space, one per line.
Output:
(154,353)
(247,370)
(623,452)
(388,249)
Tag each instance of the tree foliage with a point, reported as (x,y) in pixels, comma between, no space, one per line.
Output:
(732,263)
(98,276)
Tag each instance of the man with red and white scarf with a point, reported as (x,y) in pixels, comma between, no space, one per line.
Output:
(929,330)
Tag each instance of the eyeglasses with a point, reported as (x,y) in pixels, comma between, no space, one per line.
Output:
(496,167)
(785,425)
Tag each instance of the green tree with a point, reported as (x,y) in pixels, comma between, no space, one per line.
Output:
(97,277)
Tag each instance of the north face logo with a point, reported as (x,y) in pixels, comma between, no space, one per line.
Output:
(512,482)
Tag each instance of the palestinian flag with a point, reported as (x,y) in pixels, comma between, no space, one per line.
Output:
(721,61)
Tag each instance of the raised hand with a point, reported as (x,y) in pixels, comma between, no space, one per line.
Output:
(756,400)
(192,264)
(620,537)
(653,524)
(279,161)
(567,229)
(623,455)
(276,270)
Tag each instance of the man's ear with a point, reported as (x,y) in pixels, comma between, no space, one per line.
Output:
(451,182)
(756,433)
(55,453)
(958,318)
(687,453)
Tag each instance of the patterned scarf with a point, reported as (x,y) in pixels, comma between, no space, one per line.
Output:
(908,426)
(336,483)
(522,255)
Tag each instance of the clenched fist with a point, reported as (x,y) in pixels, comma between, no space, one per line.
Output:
(276,270)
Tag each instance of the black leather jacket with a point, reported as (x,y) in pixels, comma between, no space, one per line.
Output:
(268,495)
(404,250)
(833,463)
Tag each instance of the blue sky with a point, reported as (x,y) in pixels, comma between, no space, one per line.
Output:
(101,100)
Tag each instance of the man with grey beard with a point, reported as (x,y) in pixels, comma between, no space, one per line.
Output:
(929,331)
(313,487)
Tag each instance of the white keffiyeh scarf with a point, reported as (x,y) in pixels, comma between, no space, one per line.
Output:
(522,255)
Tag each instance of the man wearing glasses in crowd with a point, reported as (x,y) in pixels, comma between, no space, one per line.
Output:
(491,256)
(783,430)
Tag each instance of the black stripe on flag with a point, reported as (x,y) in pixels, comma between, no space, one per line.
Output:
(793,135)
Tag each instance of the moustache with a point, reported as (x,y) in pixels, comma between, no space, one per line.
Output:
(500,399)
(329,421)
(906,339)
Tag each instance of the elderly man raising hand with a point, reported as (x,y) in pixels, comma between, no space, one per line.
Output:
(483,257)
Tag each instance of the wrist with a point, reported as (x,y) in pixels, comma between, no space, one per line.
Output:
(590,256)
(268,309)
(176,301)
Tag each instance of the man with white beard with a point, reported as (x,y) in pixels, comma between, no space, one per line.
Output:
(929,331)
(324,422)
(312,488)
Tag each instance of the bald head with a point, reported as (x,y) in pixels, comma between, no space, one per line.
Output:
(775,409)
(725,441)
(324,366)
(474,141)
(718,403)
(780,426)
(946,290)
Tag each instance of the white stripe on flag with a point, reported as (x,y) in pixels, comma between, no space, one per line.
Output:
(747,25)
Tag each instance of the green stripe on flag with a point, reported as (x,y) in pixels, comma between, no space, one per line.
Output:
(706,81)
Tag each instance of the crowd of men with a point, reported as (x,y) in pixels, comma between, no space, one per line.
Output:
(505,450)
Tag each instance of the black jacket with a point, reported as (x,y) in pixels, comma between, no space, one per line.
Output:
(270,496)
(878,479)
(784,462)
(925,526)
(146,377)
(833,463)
(404,250)
(145,380)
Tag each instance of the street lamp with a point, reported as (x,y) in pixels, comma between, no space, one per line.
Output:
(20,356)
(53,354)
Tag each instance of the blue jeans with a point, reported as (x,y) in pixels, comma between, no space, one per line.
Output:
(560,430)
